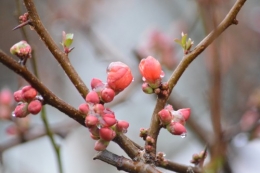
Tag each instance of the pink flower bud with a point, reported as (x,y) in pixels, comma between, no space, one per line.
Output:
(84,108)
(95,83)
(185,113)
(94,137)
(107,134)
(107,95)
(176,128)
(151,71)
(169,107)
(28,93)
(165,116)
(21,49)
(94,131)
(147,89)
(92,97)
(18,96)
(122,126)
(108,121)
(99,108)
(35,107)
(101,145)
(21,110)
(6,97)
(91,121)
(119,76)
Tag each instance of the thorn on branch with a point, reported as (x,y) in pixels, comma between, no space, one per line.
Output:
(28,22)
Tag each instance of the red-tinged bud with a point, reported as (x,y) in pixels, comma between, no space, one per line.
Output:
(94,131)
(151,71)
(94,137)
(147,89)
(110,115)
(122,126)
(18,96)
(169,107)
(108,121)
(84,108)
(107,134)
(35,107)
(91,121)
(119,76)
(185,113)
(95,83)
(107,95)
(165,116)
(6,97)
(21,110)
(21,49)
(143,132)
(101,145)
(28,93)
(92,97)
(149,139)
(99,108)
(176,128)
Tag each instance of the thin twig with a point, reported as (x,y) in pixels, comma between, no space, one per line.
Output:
(60,56)
(187,59)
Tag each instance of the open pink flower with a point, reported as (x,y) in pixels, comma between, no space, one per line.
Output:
(119,76)
(151,70)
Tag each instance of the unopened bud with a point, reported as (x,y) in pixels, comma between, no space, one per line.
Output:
(176,128)
(147,89)
(35,107)
(101,145)
(21,49)
(18,96)
(165,116)
(84,108)
(107,95)
(122,126)
(28,93)
(107,134)
(92,97)
(21,110)
(91,121)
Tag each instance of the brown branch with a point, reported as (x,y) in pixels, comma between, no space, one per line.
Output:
(125,164)
(178,167)
(128,146)
(187,59)
(50,98)
(60,56)
(47,95)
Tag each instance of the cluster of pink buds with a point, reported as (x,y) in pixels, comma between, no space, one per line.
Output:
(6,101)
(174,121)
(28,102)
(22,50)
(152,75)
(101,121)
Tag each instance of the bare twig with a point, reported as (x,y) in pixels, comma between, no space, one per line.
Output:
(60,56)
(125,164)
(187,59)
